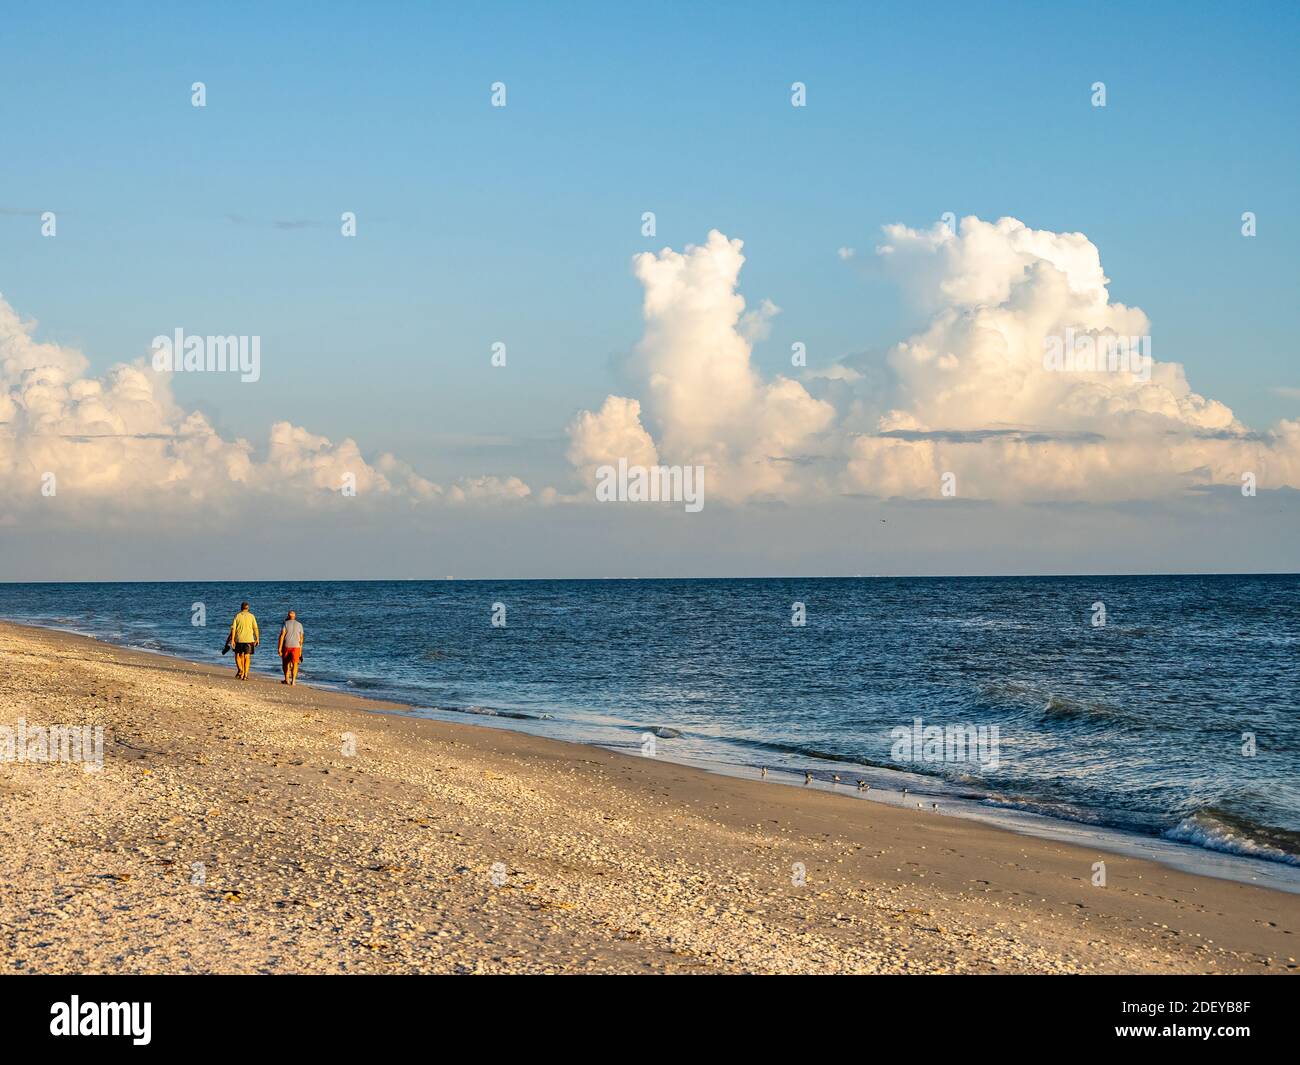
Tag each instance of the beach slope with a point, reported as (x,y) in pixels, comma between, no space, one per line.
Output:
(251,828)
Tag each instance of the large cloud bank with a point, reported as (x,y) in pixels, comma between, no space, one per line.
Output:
(121,443)
(969,396)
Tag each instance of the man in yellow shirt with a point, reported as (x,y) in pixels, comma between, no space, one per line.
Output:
(244,637)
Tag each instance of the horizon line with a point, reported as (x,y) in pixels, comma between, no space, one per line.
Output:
(767,577)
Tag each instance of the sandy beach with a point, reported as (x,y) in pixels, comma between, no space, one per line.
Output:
(230,829)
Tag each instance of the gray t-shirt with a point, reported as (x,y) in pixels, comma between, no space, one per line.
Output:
(292,634)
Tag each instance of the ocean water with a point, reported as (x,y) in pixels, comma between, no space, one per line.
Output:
(1142,724)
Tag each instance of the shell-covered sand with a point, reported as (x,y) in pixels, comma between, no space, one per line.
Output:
(228,831)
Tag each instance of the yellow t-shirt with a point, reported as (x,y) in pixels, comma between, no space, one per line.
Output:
(244,628)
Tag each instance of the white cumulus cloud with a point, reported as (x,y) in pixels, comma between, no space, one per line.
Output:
(968,395)
(120,443)
(702,395)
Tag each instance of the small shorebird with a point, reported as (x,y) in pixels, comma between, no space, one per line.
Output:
(807,777)
(863,786)
(920,806)
(764,771)
(934,806)
(835,777)
(904,793)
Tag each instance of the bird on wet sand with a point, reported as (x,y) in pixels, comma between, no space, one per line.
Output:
(807,778)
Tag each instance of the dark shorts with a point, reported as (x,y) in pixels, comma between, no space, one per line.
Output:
(243,648)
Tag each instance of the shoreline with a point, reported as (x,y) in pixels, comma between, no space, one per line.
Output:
(887,782)
(448,846)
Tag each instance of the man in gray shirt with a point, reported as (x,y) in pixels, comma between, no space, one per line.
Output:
(291,637)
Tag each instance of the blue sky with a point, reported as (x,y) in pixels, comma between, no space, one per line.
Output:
(518,224)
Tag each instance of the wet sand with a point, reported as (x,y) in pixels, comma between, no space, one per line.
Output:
(232,829)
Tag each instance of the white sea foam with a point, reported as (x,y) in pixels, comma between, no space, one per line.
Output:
(1205,830)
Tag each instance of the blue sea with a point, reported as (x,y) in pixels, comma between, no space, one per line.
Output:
(1177,720)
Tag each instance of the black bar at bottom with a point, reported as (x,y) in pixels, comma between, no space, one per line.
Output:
(333,1014)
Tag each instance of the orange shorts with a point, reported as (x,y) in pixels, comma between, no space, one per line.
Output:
(292,654)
